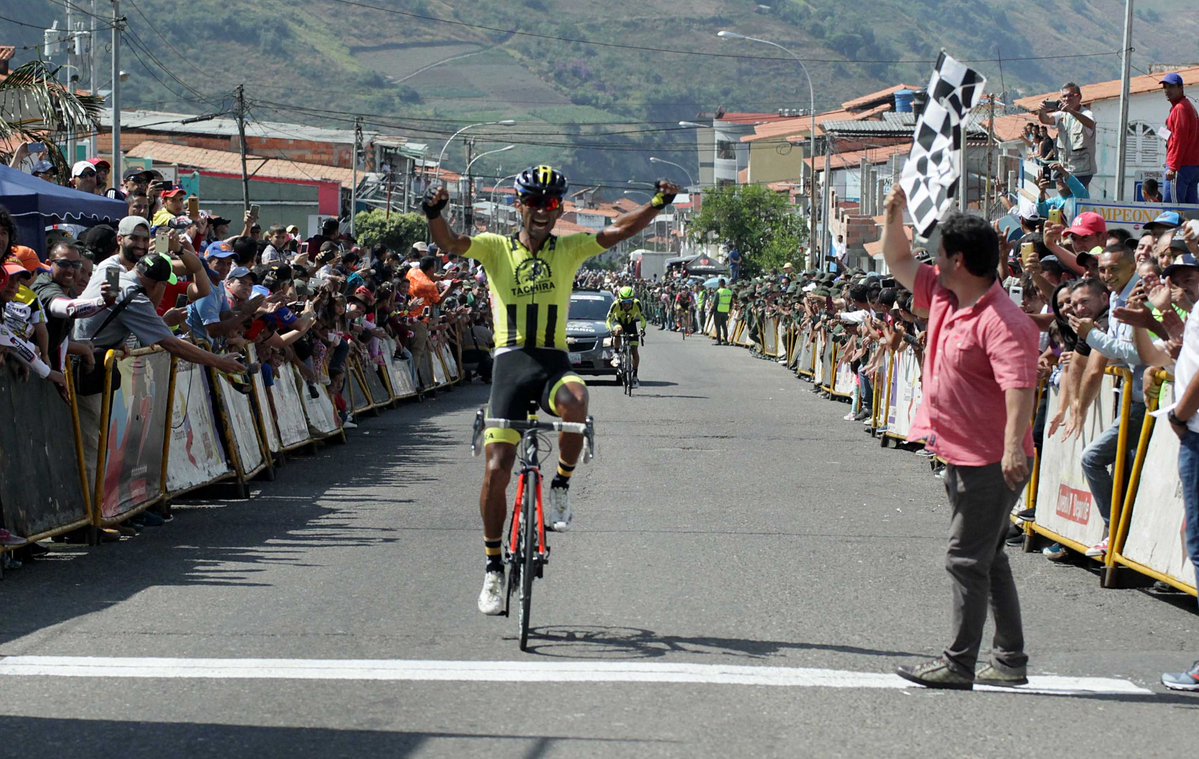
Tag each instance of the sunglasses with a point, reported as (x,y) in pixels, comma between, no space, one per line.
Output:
(88,173)
(66,263)
(545,202)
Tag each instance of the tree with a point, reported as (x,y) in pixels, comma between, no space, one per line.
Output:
(34,107)
(758,222)
(397,233)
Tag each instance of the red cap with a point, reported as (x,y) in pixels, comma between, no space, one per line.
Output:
(98,162)
(1087,224)
(12,269)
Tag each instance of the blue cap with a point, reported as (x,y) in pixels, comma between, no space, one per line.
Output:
(41,167)
(1166,219)
(1185,261)
(1173,79)
(261,290)
(219,249)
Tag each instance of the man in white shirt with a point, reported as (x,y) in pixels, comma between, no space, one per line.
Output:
(1075,132)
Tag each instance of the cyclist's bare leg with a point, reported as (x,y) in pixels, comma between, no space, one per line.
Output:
(571,404)
(636,359)
(493,502)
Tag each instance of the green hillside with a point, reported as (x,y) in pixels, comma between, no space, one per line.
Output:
(596,87)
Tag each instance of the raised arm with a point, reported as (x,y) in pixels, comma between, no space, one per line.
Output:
(447,239)
(629,224)
(897,251)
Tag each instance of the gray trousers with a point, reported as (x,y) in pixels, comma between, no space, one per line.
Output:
(980,502)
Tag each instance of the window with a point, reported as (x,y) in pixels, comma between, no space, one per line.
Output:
(725,150)
(1143,147)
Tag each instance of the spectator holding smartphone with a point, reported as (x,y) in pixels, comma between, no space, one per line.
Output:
(1075,132)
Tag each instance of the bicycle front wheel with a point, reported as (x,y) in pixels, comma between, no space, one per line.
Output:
(529,538)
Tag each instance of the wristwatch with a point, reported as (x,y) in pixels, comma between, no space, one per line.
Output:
(1173,419)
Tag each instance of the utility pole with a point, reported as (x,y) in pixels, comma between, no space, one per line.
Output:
(990,159)
(117,26)
(468,208)
(241,139)
(354,181)
(72,65)
(1125,75)
(91,68)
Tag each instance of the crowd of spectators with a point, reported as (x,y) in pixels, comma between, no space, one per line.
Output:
(177,277)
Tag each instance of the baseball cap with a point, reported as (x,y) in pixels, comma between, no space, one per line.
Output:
(1088,223)
(157,268)
(260,290)
(1165,220)
(276,228)
(98,162)
(171,192)
(14,269)
(1052,262)
(27,257)
(43,167)
(1185,261)
(180,222)
(131,223)
(219,249)
(1085,259)
(171,278)
(1173,79)
(80,167)
(135,172)
(240,271)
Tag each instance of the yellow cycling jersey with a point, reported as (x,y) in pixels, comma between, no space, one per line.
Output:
(618,315)
(530,294)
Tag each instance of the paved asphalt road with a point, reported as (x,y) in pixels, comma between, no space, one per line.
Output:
(731,520)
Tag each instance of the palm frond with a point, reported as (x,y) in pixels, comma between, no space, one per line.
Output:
(34,104)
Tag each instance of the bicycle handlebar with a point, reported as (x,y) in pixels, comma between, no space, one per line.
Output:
(509,424)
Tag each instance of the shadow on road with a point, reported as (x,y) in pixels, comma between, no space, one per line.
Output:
(597,642)
(86,737)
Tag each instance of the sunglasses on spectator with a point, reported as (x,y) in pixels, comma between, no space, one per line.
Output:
(546,202)
(67,263)
(88,173)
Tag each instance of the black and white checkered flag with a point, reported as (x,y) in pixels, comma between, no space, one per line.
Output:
(930,176)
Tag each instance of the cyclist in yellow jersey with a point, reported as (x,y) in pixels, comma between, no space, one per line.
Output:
(531,276)
(622,320)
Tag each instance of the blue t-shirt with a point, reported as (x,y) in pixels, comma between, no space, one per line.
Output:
(208,310)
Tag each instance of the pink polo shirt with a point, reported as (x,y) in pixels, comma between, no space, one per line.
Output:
(973,355)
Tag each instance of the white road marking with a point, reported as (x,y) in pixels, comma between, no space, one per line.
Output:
(508,671)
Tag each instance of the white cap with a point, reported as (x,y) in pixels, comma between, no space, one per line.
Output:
(80,167)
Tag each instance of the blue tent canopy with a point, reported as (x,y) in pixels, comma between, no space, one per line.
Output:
(35,203)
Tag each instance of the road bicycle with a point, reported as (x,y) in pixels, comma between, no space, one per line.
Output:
(527,552)
(624,367)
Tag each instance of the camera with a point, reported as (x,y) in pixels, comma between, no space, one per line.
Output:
(1053,105)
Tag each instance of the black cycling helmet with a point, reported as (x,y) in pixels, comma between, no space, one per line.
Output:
(541,180)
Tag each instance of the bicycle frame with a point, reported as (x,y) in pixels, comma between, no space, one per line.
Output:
(530,469)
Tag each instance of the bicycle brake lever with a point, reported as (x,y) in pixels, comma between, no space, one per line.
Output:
(476,430)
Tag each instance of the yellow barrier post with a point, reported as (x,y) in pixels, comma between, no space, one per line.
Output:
(882,418)
(166,438)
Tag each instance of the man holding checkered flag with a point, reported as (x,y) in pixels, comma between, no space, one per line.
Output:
(979,381)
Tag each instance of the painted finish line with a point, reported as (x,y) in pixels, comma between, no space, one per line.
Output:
(490,671)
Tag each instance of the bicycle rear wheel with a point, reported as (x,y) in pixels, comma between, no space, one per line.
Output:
(529,568)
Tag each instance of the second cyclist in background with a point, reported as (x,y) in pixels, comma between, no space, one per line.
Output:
(627,322)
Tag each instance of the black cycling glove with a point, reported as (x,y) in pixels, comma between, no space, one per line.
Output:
(432,210)
(662,198)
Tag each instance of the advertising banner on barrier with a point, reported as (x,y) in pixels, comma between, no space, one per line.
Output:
(827,367)
(439,375)
(239,415)
(451,364)
(845,380)
(136,433)
(284,397)
(355,386)
(770,337)
(197,455)
(1157,529)
(41,487)
(374,384)
(906,394)
(399,370)
(806,365)
(322,417)
(1065,506)
(262,406)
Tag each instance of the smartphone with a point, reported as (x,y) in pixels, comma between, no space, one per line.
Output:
(1017,294)
(304,248)
(1028,253)
(37,147)
(193,208)
(254,210)
(162,242)
(1053,105)
(181,301)
(1055,216)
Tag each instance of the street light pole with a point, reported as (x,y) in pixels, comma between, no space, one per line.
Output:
(811,140)
(468,212)
(690,180)
(441,155)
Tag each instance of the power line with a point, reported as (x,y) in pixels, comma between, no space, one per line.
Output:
(624,46)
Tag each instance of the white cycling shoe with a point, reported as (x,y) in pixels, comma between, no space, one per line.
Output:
(491,598)
(559,515)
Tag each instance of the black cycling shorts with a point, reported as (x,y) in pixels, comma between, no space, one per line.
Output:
(520,378)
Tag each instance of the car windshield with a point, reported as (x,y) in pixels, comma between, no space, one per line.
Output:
(588,309)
